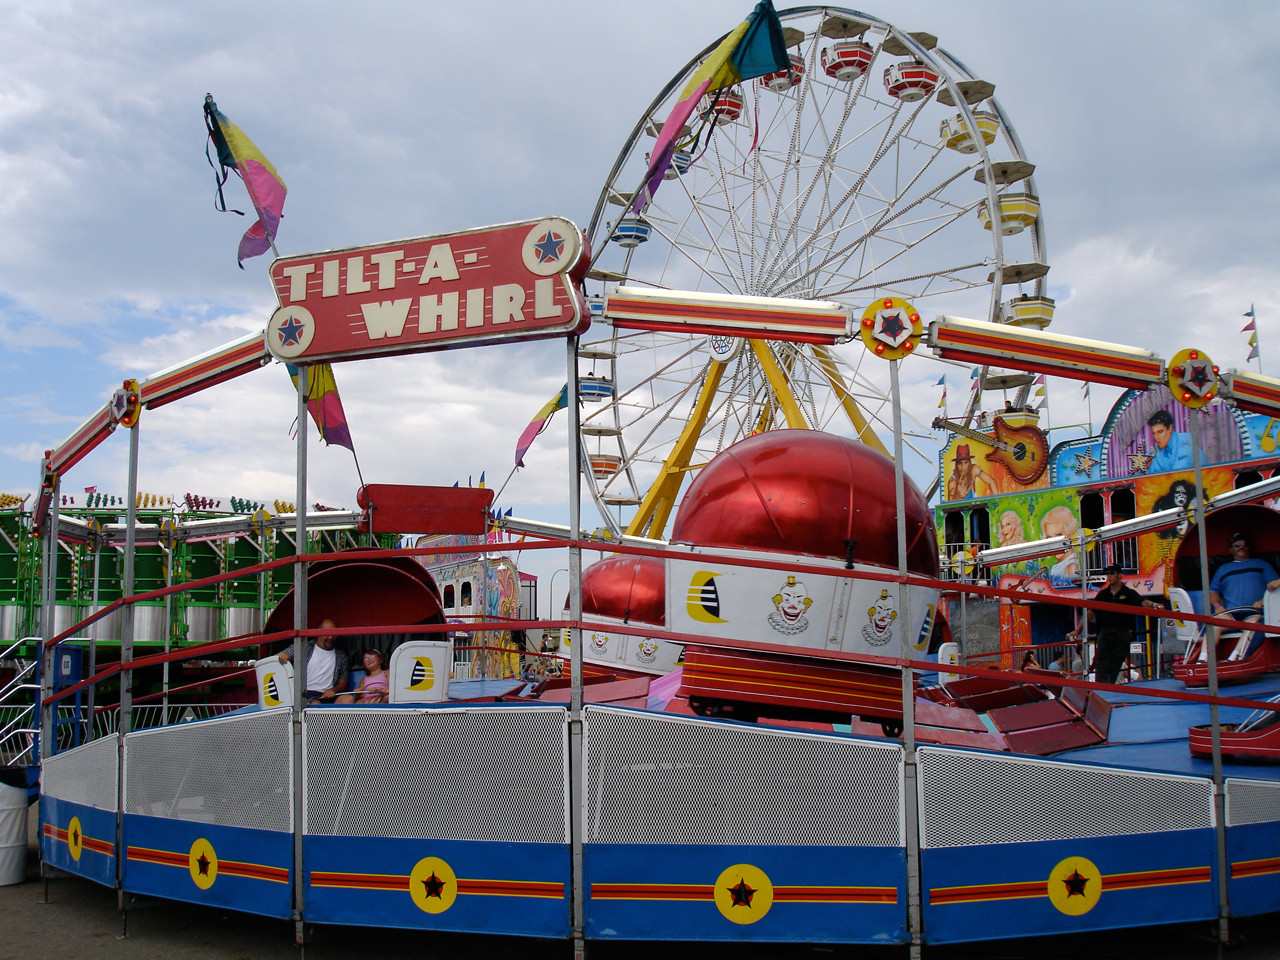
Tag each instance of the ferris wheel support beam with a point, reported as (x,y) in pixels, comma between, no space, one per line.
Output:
(829,370)
(781,386)
(655,509)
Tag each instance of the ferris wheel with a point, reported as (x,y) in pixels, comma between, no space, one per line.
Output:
(868,169)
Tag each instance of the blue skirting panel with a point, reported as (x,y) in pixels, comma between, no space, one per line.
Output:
(464,885)
(78,839)
(764,893)
(1253,851)
(235,867)
(1065,886)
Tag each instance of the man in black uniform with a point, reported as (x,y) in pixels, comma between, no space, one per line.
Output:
(1115,630)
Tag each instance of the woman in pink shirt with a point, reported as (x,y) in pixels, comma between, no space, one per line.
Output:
(374,687)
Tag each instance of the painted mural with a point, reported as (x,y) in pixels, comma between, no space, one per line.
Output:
(1161,492)
(977,464)
(1144,450)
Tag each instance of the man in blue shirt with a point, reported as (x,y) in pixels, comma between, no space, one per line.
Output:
(1173,450)
(1243,581)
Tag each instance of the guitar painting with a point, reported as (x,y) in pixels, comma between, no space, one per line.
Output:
(1023,451)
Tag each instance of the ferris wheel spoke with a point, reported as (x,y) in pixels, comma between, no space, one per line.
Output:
(906,249)
(892,131)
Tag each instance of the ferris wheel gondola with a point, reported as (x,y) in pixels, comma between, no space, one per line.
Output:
(870,167)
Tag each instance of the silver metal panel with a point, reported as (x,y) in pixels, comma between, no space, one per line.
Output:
(65,616)
(970,798)
(10,613)
(488,773)
(1252,801)
(202,624)
(242,620)
(85,774)
(149,622)
(106,629)
(654,778)
(233,771)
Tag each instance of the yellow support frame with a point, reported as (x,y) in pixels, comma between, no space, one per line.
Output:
(655,509)
(781,386)
(851,408)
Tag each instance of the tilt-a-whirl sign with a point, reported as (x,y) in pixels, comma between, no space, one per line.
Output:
(515,281)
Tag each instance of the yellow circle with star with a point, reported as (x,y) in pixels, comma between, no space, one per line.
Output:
(203,863)
(432,885)
(891,328)
(743,893)
(75,839)
(1075,885)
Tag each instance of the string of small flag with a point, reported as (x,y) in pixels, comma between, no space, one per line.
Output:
(1255,353)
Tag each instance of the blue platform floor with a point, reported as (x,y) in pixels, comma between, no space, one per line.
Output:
(1151,734)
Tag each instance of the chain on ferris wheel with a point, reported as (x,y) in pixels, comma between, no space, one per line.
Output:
(851,176)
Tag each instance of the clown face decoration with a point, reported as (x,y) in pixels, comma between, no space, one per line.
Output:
(879,630)
(791,603)
(647,650)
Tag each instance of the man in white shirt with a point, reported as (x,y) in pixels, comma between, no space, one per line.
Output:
(326,666)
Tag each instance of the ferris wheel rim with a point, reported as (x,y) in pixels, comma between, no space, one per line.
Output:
(950,71)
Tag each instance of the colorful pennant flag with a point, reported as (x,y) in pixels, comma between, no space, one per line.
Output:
(324,404)
(755,47)
(975,373)
(539,423)
(481,479)
(1086,390)
(266,190)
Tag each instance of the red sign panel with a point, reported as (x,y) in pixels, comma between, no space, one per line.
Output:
(517,281)
(410,508)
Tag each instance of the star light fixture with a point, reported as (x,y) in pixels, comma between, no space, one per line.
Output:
(890,328)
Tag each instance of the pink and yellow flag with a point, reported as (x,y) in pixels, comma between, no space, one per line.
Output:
(752,49)
(266,190)
(325,405)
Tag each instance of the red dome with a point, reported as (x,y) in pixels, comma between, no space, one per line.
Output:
(802,491)
(625,588)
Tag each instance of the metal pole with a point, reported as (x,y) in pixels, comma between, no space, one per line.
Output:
(167,550)
(125,718)
(577,760)
(1211,639)
(915,913)
(48,729)
(93,637)
(299,655)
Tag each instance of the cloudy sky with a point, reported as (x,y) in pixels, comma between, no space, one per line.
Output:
(1152,126)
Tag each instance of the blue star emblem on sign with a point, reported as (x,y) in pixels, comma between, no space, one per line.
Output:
(550,247)
(290,332)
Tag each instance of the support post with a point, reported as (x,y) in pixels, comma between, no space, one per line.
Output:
(577,764)
(1215,723)
(127,620)
(911,813)
(48,624)
(96,543)
(299,657)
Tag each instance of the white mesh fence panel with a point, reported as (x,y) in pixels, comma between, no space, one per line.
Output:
(233,772)
(678,780)
(85,774)
(489,773)
(970,799)
(1252,801)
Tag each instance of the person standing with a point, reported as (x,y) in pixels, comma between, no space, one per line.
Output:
(1115,630)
